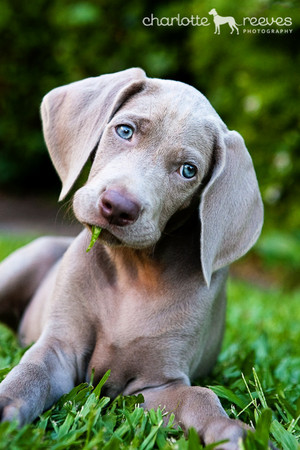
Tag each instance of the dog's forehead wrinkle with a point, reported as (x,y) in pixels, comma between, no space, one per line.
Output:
(172,99)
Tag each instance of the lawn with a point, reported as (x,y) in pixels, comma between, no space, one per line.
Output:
(257,379)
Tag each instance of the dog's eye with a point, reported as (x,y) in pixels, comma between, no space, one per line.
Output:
(188,170)
(124,131)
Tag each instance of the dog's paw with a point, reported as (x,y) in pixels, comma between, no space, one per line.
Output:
(9,410)
(231,431)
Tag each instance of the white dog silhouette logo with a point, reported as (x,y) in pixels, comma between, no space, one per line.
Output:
(220,20)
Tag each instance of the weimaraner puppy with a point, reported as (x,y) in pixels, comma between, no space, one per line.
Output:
(176,196)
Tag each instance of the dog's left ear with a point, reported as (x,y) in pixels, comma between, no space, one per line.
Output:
(75,115)
(231,209)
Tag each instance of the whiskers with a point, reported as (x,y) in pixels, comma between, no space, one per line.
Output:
(66,213)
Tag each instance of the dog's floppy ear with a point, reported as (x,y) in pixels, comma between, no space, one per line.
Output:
(231,209)
(75,115)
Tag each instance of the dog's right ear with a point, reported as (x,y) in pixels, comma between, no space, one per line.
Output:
(74,117)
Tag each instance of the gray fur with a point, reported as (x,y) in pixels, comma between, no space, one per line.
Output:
(148,301)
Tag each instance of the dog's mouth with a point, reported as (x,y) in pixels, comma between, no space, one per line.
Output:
(109,237)
(105,236)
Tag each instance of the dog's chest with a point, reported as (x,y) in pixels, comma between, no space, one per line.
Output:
(151,321)
(148,339)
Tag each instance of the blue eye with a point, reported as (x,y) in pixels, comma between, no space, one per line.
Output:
(188,170)
(124,131)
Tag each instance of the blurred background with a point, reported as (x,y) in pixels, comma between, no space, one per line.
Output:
(252,80)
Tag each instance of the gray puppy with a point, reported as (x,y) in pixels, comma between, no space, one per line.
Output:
(176,196)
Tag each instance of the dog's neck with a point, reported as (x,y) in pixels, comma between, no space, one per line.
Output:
(177,250)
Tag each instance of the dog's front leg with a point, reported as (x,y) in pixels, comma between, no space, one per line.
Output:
(43,375)
(201,409)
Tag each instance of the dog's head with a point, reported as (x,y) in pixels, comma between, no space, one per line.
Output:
(156,145)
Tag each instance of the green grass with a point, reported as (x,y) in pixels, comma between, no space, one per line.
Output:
(257,379)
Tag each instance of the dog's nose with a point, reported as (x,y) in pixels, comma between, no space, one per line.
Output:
(119,209)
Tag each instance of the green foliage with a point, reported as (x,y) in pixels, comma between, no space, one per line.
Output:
(251,79)
(9,243)
(259,367)
(280,253)
(83,419)
(280,248)
(95,234)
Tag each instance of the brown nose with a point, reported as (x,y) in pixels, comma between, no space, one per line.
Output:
(118,209)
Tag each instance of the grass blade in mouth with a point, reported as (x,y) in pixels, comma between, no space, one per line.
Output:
(95,234)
